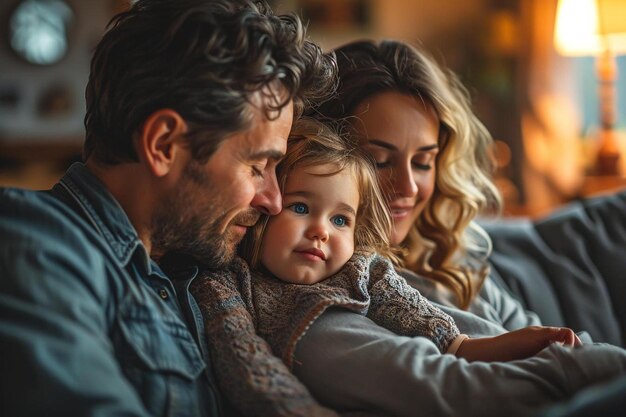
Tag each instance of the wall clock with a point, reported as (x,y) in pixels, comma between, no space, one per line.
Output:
(38,30)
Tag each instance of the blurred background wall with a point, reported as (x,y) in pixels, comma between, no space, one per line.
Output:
(542,108)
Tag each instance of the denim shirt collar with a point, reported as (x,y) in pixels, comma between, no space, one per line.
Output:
(106,215)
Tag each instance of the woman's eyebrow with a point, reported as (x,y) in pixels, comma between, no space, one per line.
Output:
(382,144)
(428,148)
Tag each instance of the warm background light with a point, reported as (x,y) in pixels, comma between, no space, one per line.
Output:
(543,109)
(597,28)
(588,27)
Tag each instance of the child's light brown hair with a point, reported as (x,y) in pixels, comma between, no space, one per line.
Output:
(312,143)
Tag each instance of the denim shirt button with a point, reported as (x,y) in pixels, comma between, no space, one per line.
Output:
(164,294)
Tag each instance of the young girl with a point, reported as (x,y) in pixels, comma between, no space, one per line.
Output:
(329,247)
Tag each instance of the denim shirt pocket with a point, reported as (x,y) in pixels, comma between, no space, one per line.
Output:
(160,358)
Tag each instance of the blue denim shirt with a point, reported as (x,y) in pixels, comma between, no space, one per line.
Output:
(89,324)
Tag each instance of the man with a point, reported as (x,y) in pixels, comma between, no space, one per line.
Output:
(189,104)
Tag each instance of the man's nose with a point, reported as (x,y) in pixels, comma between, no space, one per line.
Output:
(268,200)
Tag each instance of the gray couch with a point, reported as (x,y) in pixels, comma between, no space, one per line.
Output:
(569,268)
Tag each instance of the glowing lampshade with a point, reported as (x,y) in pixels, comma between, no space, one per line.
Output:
(589,27)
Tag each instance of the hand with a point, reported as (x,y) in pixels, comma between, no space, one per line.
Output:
(518,344)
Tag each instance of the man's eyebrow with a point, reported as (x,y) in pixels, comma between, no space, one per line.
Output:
(267,154)
(387,145)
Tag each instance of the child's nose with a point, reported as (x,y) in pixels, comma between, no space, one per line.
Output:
(317,231)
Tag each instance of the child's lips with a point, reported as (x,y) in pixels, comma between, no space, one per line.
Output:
(313,253)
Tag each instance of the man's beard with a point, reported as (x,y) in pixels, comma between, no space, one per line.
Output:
(186,223)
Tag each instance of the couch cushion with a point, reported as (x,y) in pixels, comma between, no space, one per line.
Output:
(569,268)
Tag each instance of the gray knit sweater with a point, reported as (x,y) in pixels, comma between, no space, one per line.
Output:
(367,285)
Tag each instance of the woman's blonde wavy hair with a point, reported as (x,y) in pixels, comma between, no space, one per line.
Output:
(311,143)
(445,244)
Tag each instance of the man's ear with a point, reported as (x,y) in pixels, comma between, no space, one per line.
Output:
(161,140)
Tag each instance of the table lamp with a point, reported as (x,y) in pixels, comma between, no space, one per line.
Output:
(596,28)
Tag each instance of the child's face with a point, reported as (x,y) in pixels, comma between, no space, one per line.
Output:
(313,236)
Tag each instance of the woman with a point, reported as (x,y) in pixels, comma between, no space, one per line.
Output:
(431,153)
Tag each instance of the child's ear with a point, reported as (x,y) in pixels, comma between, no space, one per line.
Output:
(161,140)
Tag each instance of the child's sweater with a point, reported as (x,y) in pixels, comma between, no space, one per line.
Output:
(238,307)
(367,285)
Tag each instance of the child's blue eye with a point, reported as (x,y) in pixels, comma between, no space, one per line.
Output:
(299,208)
(340,221)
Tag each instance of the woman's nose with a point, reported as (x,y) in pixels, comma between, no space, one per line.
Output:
(404,182)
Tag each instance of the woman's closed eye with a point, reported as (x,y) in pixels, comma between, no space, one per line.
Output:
(382,164)
(420,166)
(416,165)
(382,157)
(424,161)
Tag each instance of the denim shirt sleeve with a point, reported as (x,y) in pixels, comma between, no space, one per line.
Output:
(56,356)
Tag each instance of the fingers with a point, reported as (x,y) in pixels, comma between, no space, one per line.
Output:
(566,337)
(577,341)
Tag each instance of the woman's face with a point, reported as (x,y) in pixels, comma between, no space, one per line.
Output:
(401,133)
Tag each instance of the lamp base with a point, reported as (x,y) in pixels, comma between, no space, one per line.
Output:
(607,165)
(608,157)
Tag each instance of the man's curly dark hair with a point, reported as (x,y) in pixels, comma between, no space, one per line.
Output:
(203,59)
